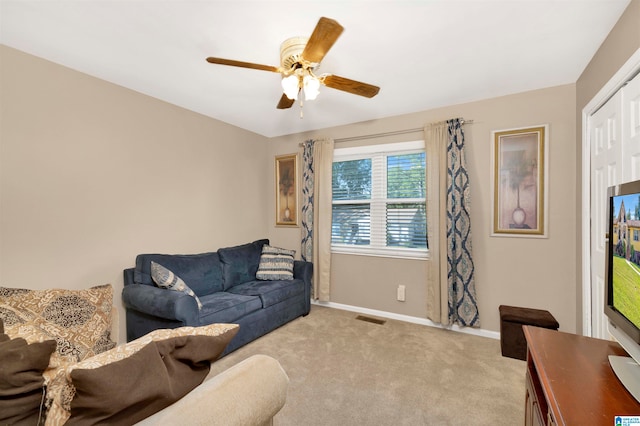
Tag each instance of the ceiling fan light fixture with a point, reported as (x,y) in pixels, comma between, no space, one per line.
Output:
(299,58)
(311,87)
(291,87)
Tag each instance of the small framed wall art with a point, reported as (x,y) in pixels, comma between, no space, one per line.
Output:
(520,179)
(287,190)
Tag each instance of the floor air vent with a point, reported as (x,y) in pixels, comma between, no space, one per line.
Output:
(369,319)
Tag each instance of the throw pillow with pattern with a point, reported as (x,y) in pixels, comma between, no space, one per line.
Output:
(112,387)
(79,320)
(275,264)
(164,278)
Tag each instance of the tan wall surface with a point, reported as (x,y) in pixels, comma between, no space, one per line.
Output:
(538,273)
(92,174)
(621,43)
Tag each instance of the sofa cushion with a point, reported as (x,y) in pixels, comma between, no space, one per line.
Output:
(270,292)
(166,279)
(201,272)
(227,307)
(79,320)
(275,263)
(240,263)
(21,367)
(135,380)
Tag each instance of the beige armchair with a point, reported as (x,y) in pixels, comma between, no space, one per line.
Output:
(249,393)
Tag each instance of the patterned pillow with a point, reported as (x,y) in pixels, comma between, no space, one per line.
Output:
(275,264)
(64,354)
(79,320)
(113,388)
(164,278)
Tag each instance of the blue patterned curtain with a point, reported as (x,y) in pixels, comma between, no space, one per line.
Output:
(306,252)
(316,214)
(462,302)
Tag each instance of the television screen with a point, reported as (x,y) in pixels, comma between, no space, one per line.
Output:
(622,286)
(625,256)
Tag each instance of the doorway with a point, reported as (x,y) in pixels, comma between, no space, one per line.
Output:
(611,155)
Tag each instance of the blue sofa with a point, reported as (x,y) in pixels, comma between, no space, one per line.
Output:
(225,282)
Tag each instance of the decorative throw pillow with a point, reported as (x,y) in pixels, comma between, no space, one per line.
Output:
(164,278)
(61,355)
(275,264)
(79,320)
(21,380)
(137,379)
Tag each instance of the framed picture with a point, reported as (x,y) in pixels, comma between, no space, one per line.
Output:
(520,174)
(287,190)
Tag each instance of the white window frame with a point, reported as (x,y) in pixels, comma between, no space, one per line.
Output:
(362,152)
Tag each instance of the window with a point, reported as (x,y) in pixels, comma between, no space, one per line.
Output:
(379,200)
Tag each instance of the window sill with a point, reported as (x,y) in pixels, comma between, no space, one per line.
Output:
(409,254)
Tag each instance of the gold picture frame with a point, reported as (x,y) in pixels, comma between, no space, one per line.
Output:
(520,180)
(287,190)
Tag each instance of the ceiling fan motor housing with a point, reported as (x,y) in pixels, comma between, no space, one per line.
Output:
(291,52)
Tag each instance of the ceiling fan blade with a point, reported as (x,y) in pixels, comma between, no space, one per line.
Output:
(351,86)
(285,102)
(323,37)
(241,64)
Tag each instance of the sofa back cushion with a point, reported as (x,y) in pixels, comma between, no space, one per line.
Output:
(201,272)
(240,263)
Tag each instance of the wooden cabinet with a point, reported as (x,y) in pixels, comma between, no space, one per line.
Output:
(533,412)
(535,405)
(569,380)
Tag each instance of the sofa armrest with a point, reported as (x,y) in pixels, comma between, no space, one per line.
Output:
(161,303)
(249,393)
(304,271)
(129,276)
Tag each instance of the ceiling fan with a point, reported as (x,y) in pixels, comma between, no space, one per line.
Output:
(299,59)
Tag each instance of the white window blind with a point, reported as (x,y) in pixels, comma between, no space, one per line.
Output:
(379,201)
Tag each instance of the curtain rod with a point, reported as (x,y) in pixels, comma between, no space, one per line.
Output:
(393,133)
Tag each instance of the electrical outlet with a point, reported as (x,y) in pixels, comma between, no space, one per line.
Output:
(401,293)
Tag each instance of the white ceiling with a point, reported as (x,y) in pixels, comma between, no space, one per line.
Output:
(424,54)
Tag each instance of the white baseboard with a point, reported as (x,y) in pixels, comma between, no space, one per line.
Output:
(407,318)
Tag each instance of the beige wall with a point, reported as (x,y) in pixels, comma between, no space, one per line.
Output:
(538,273)
(619,46)
(92,174)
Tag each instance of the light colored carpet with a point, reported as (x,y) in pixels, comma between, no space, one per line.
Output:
(344,371)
